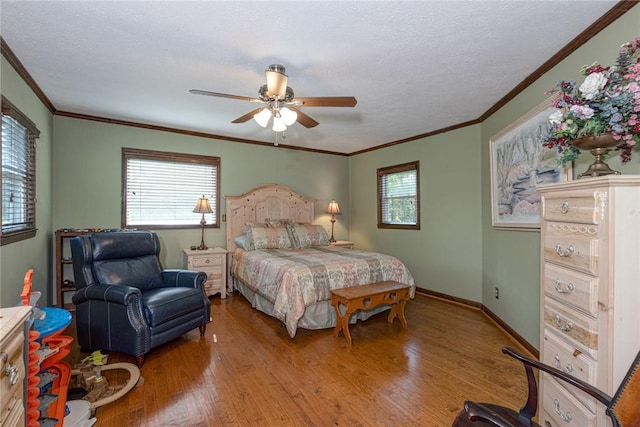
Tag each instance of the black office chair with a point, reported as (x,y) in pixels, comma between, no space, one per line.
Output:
(623,408)
(125,301)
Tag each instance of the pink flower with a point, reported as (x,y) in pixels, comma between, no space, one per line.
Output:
(583,112)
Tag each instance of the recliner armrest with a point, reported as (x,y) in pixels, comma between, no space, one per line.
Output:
(184,278)
(120,294)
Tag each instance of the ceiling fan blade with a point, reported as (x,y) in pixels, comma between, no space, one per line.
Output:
(276,84)
(247,116)
(224,95)
(328,101)
(304,120)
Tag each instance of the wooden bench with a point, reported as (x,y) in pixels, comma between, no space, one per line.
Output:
(366,297)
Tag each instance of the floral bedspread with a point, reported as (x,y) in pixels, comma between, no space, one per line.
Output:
(295,279)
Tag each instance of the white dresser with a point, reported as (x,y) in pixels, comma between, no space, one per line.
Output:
(213,262)
(590,292)
(12,365)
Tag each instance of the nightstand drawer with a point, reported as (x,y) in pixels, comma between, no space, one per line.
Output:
(206,261)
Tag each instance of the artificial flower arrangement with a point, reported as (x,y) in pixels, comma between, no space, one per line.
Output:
(607,102)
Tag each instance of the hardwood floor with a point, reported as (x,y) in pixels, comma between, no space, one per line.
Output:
(246,371)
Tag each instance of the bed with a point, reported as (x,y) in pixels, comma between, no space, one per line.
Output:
(284,266)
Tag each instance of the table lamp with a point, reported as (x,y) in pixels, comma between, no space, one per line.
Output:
(202,207)
(333,209)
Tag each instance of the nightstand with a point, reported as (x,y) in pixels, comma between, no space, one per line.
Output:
(213,262)
(343,244)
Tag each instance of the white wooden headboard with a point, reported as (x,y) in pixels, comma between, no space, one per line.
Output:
(274,201)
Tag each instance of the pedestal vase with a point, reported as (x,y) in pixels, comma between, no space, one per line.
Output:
(599,146)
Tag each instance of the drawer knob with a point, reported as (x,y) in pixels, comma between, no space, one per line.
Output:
(566,327)
(570,287)
(564,207)
(564,254)
(566,416)
(13,373)
(568,368)
(208,261)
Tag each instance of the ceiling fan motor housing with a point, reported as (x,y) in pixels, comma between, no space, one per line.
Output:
(277,68)
(263,94)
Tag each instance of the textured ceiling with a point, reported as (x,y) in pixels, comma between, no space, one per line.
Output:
(414,66)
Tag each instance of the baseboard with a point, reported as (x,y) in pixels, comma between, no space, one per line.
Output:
(449,298)
(491,315)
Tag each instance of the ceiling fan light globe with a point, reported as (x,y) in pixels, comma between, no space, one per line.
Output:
(278,124)
(289,116)
(262,118)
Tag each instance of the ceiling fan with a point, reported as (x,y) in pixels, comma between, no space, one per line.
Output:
(280,103)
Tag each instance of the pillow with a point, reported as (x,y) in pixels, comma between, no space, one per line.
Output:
(305,236)
(243,243)
(269,238)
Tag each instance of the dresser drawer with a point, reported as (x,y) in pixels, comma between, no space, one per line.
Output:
(559,354)
(573,251)
(579,329)
(205,261)
(572,288)
(12,374)
(561,408)
(582,209)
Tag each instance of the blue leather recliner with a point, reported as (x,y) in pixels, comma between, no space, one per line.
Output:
(125,302)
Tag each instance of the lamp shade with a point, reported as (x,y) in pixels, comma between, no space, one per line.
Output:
(278,124)
(289,116)
(333,208)
(202,206)
(263,117)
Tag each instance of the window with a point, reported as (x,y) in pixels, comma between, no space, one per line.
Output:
(160,190)
(399,196)
(18,175)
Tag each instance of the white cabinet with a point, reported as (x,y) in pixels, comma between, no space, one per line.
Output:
(590,292)
(213,262)
(12,367)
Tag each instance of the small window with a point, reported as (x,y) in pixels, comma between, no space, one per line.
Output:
(399,196)
(160,190)
(18,175)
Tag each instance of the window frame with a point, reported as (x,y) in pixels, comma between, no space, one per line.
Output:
(32,133)
(389,170)
(213,219)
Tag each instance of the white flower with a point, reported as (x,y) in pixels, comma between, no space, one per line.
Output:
(556,117)
(592,84)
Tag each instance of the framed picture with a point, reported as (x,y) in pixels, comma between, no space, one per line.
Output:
(519,163)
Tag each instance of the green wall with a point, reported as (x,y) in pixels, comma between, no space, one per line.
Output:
(87,177)
(35,253)
(511,259)
(457,251)
(445,255)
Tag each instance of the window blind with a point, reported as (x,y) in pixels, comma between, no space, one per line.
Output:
(398,196)
(18,175)
(161,189)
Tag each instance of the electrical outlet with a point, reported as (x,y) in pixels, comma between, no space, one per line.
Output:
(496,293)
